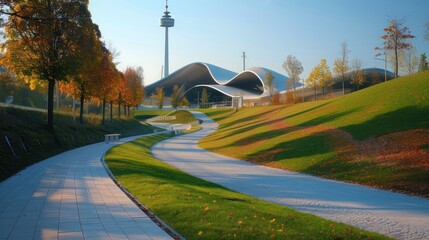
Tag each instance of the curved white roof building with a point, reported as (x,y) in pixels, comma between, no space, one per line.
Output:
(220,83)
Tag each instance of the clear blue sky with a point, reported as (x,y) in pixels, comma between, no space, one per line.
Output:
(217,31)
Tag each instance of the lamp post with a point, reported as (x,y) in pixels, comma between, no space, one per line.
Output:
(385,65)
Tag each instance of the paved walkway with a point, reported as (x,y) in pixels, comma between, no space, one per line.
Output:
(396,215)
(70,196)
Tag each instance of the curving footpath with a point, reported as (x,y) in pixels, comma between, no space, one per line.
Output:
(71,196)
(392,214)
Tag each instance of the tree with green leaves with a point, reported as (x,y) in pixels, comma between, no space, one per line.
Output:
(42,40)
(423,65)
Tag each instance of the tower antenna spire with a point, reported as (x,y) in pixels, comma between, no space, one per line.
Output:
(244,60)
(166,21)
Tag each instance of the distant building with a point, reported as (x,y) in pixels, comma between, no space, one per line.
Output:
(224,87)
(248,88)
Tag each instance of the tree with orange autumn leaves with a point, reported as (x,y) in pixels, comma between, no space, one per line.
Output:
(105,87)
(395,39)
(134,91)
(89,59)
(130,89)
(108,85)
(42,38)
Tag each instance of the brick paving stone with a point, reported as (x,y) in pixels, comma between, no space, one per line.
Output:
(70,196)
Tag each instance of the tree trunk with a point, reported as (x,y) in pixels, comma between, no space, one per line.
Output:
(119,106)
(104,111)
(294,91)
(82,102)
(344,92)
(314,94)
(111,111)
(51,88)
(396,63)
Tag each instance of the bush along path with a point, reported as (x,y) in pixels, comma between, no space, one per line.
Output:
(391,214)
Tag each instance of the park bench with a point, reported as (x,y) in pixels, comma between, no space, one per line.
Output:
(179,128)
(114,137)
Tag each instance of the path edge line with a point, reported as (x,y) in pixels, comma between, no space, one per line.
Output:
(164,226)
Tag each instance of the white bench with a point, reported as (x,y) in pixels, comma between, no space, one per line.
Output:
(179,128)
(114,137)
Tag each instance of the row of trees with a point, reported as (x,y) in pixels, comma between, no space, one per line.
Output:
(55,41)
(397,49)
(177,98)
(321,76)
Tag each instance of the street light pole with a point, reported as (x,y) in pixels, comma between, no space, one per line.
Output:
(385,66)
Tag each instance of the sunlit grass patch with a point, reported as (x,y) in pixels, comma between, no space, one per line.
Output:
(145,114)
(382,129)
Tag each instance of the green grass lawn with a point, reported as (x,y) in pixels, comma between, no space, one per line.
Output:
(32,141)
(336,138)
(198,209)
(145,114)
(182,116)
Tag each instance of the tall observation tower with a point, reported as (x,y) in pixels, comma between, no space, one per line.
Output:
(166,21)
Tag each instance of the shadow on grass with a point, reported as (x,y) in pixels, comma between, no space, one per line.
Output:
(313,148)
(307,110)
(123,165)
(329,117)
(218,115)
(267,135)
(245,119)
(395,121)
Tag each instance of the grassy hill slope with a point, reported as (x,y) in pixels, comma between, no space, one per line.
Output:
(378,136)
(32,141)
